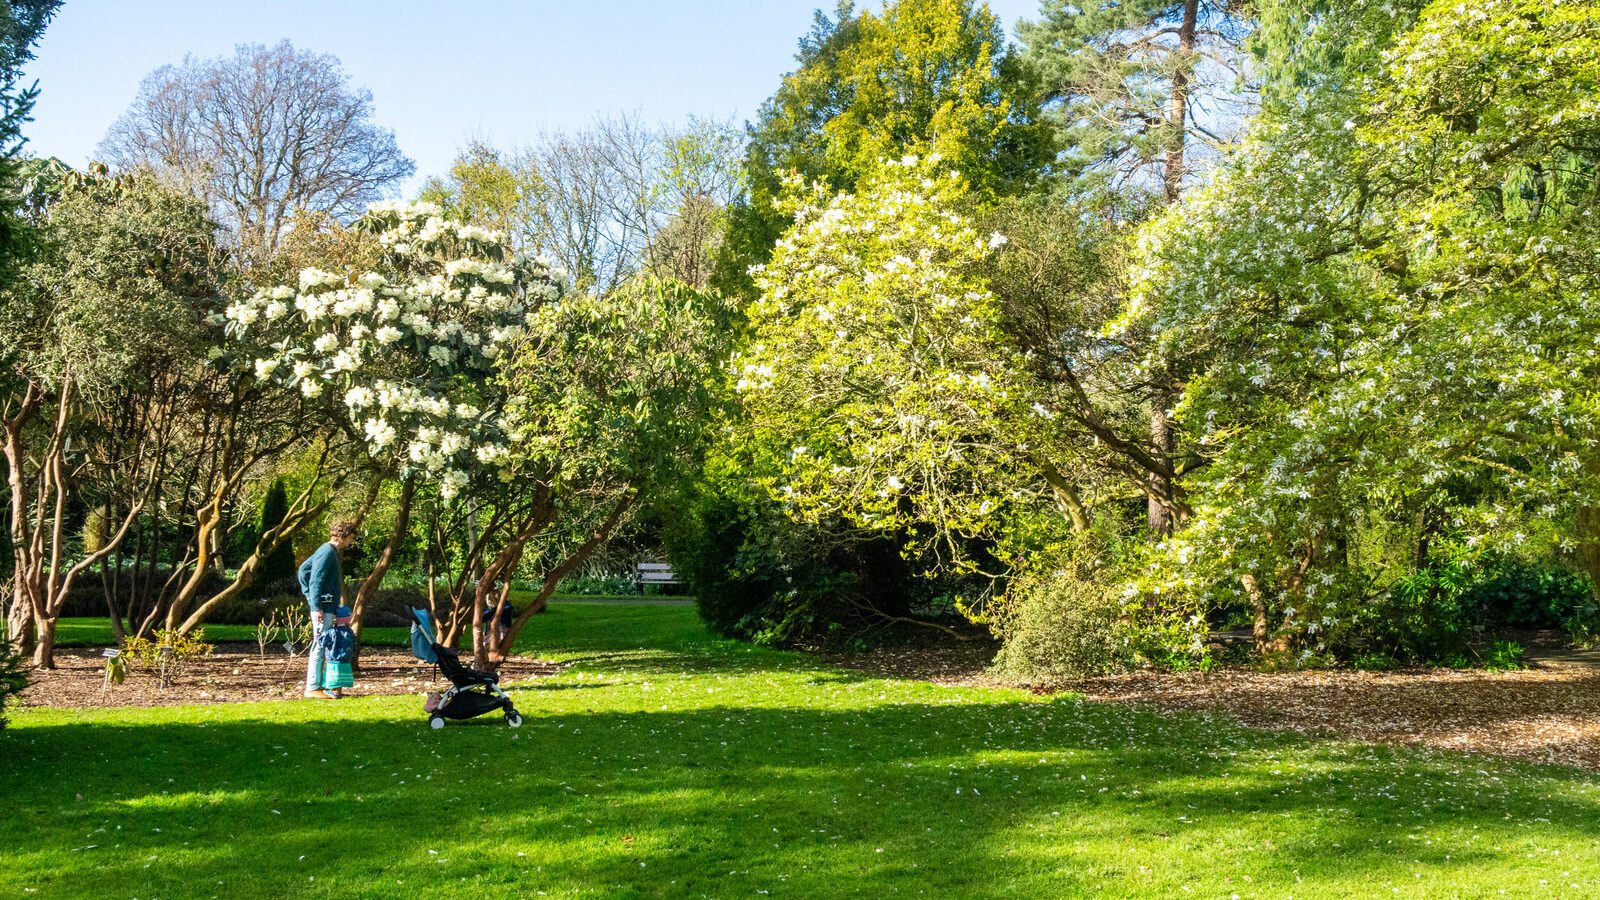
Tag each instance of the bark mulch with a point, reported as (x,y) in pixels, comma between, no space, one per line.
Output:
(1548,713)
(237,672)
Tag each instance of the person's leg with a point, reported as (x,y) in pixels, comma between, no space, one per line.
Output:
(314,661)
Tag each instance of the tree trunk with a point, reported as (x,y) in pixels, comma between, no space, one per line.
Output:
(1067,498)
(502,647)
(1178,102)
(219,543)
(117,631)
(1586,524)
(44,650)
(1262,629)
(374,580)
(1161,491)
(19,625)
(300,513)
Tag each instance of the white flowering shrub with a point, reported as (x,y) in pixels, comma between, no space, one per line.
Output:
(405,356)
(1389,326)
(875,380)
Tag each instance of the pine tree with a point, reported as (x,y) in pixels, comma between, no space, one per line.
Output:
(1134,85)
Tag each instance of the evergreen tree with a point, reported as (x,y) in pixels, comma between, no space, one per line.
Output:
(925,76)
(1133,85)
(278,569)
(21,24)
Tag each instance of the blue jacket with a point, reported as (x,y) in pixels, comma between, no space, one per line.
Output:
(320,576)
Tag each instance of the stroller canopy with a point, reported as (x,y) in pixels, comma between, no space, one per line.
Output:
(422,639)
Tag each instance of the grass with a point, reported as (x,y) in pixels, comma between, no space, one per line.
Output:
(575,622)
(665,763)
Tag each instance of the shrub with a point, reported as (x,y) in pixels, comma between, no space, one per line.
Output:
(1513,593)
(595,585)
(167,652)
(1423,619)
(13,676)
(1505,656)
(1583,626)
(387,608)
(751,577)
(88,594)
(1375,662)
(245,609)
(1061,625)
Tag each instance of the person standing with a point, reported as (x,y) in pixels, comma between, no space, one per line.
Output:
(321,580)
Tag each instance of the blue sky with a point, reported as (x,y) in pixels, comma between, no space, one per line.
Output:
(442,73)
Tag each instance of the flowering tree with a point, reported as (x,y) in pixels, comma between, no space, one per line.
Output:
(405,353)
(875,380)
(538,421)
(402,358)
(1394,322)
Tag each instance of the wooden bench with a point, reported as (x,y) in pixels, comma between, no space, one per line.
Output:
(653,573)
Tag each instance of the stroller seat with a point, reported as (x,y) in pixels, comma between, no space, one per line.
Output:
(459,673)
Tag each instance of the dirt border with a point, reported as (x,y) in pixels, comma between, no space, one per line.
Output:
(236,673)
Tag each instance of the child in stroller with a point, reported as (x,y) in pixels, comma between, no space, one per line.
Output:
(474,693)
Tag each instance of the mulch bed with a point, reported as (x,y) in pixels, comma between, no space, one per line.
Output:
(1549,713)
(238,672)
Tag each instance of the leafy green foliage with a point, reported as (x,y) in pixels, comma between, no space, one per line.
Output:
(1505,656)
(925,77)
(1522,595)
(167,652)
(121,284)
(1061,625)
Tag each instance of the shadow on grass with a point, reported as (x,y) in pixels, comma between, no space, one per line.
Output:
(968,799)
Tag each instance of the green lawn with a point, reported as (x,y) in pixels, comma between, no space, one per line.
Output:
(573,624)
(664,763)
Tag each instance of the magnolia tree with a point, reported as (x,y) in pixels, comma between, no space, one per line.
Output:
(404,358)
(1395,319)
(875,380)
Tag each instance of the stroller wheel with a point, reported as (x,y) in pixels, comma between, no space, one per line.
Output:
(513,718)
(436,722)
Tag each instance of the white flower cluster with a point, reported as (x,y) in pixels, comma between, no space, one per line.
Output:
(408,354)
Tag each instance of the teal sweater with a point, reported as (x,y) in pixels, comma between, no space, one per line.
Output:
(321,577)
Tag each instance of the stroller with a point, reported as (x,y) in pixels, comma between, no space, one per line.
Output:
(474,693)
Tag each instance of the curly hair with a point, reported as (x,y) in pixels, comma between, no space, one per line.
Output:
(342,530)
